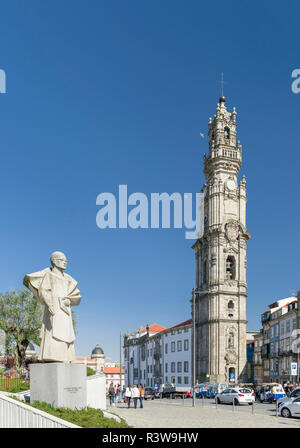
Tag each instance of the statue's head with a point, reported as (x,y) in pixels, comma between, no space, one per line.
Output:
(59,260)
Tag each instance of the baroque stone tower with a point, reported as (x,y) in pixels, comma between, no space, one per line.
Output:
(220,294)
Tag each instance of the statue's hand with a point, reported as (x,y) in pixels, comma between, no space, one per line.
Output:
(51,310)
(66,301)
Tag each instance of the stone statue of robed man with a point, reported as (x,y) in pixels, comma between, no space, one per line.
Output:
(57,291)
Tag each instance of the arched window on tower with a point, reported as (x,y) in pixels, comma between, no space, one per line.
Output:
(230,268)
(230,305)
(227,133)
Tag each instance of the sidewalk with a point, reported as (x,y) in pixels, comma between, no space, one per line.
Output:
(159,415)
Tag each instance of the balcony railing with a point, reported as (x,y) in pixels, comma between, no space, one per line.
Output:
(285,352)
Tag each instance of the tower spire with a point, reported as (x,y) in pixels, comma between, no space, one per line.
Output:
(222,82)
(221,257)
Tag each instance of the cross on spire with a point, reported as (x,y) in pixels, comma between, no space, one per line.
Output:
(222,82)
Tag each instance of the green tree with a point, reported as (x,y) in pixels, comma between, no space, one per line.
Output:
(9,345)
(21,319)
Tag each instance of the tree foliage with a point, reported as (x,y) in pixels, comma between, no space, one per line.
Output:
(21,319)
(90,371)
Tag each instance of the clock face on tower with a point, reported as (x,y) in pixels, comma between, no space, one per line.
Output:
(230,184)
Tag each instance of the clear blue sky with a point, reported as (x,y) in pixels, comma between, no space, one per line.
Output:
(103,93)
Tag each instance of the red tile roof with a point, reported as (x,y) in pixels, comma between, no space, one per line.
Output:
(113,370)
(154,328)
(86,358)
(186,322)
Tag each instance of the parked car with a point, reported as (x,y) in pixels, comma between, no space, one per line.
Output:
(214,389)
(271,392)
(237,395)
(290,408)
(201,390)
(294,394)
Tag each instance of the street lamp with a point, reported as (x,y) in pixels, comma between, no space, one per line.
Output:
(120,361)
(194,348)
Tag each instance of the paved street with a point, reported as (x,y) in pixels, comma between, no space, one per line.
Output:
(174,414)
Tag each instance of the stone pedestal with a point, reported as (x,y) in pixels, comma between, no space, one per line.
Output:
(59,384)
(96,391)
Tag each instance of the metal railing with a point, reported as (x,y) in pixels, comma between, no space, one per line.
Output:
(15,414)
(12,378)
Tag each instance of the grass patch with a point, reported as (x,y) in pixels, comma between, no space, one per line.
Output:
(86,418)
(13,385)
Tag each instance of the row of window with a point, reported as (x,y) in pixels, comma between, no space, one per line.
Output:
(179,331)
(179,346)
(179,379)
(179,367)
(173,347)
(282,346)
(151,351)
(291,306)
(180,364)
(285,328)
(150,381)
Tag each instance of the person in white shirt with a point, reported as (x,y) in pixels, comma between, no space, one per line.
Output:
(128,394)
(135,394)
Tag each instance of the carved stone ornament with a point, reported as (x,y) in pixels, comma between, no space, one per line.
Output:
(231,357)
(243,244)
(213,258)
(232,230)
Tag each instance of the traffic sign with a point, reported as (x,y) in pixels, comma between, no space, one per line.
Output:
(294,368)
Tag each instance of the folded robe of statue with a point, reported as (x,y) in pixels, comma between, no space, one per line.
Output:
(57,333)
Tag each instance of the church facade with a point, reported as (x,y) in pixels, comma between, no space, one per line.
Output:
(221,258)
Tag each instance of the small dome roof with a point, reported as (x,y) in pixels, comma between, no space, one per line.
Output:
(97,350)
(30,347)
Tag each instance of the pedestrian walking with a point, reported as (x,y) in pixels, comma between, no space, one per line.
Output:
(128,393)
(111,394)
(142,395)
(123,393)
(118,394)
(135,394)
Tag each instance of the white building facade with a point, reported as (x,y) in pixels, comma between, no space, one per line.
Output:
(112,375)
(156,355)
(277,354)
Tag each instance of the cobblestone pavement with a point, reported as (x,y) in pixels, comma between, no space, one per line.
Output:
(165,414)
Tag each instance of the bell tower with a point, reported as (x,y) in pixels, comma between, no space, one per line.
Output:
(220,294)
